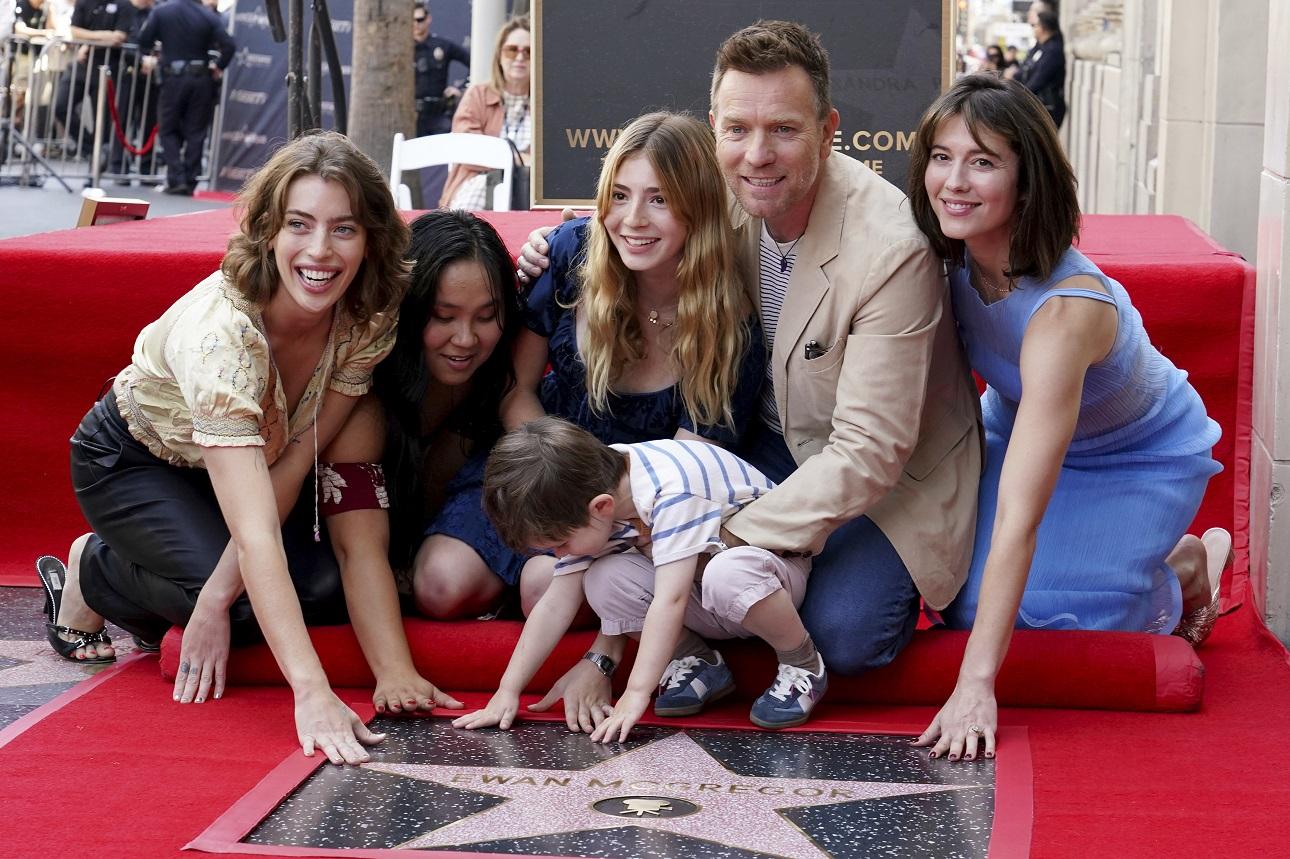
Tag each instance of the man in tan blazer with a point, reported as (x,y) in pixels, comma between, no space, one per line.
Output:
(870,421)
(870,418)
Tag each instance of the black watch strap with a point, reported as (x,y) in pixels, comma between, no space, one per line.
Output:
(601,661)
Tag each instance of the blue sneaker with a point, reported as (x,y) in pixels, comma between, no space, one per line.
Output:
(690,684)
(790,699)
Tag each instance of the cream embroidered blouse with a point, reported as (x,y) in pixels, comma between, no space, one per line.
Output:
(202,376)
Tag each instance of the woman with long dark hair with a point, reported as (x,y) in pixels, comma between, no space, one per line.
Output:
(440,389)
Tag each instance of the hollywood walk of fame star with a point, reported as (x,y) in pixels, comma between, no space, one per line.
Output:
(38,665)
(744,810)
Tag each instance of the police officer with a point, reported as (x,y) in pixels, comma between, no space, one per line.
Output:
(432,55)
(186,30)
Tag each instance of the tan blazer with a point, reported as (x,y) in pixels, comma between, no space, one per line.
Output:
(885,422)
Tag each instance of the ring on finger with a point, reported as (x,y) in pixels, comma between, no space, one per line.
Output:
(975,729)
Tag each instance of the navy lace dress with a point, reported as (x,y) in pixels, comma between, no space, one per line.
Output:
(630,418)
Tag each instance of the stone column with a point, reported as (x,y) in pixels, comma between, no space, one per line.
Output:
(1212,59)
(1270,454)
(486,18)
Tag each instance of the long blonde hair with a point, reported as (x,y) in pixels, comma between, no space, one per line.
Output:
(711,330)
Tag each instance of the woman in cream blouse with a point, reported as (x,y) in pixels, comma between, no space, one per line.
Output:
(190,470)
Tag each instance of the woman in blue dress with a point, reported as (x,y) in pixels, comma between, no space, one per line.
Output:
(647,334)
(1094,474)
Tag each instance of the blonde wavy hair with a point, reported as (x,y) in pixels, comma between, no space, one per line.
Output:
(711,329)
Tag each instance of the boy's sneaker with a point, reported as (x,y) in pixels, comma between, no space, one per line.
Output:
(690,684)
(790,699)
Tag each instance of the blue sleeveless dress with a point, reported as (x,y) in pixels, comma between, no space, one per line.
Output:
(1132,479)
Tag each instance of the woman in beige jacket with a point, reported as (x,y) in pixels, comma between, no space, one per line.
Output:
(498,108)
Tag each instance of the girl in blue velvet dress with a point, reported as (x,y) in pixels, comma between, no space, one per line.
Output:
(647,335)
(1097,447)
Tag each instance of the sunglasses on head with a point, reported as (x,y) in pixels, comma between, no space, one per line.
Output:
(513,51)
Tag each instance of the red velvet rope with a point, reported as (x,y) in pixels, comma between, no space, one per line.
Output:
(120,132)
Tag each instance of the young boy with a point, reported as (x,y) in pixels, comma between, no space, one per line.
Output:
(552,486)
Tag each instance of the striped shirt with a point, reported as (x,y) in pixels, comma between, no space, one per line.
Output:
(683,490)
(776,268)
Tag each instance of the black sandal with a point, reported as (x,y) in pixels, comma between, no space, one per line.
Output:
(146,646)
(52,574)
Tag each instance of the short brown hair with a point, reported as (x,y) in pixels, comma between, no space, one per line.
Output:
(541,478)
(1046,221)
(768,46)
(496,76)
(249,264)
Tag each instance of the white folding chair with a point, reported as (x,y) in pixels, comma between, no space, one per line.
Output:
(475,149)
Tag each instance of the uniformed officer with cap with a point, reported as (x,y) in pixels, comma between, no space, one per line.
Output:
(436,98)
(187,30)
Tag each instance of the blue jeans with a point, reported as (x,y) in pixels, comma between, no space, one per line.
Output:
(861,605)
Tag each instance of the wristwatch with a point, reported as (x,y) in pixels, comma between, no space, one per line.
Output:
(601,661)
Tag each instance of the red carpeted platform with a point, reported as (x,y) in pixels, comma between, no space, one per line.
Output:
(86,293)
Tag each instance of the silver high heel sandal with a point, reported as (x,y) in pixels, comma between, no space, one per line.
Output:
(1196,626)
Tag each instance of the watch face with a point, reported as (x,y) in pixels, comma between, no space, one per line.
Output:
(601,661)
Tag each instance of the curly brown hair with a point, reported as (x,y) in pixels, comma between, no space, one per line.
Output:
(249,264)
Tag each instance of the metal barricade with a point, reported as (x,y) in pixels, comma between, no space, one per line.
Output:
(63,101)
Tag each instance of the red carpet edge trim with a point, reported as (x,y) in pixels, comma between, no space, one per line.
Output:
(1014,795)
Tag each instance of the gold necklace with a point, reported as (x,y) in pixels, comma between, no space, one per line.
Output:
(655,319)
(981,279)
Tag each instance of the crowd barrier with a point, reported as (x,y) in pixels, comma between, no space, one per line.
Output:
(62,101)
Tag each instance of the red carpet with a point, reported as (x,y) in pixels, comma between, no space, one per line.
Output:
(1210,783)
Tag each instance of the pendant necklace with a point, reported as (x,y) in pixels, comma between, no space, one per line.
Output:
(655,319)
(784,255)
